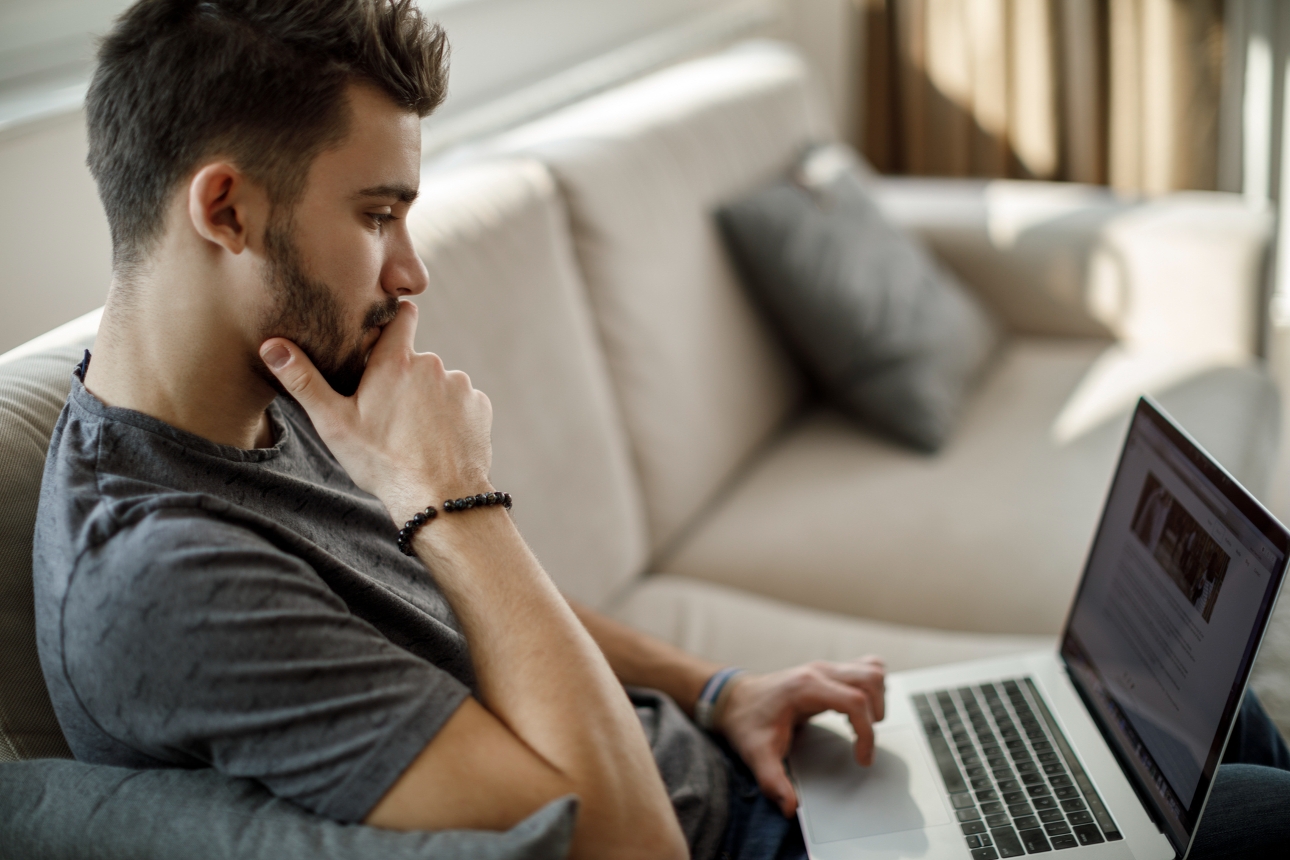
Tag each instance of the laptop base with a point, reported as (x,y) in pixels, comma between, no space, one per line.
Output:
(901,807)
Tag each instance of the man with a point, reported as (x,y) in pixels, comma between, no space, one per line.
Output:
(218,568)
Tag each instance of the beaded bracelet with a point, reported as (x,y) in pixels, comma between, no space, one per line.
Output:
(705,709)
(420,518)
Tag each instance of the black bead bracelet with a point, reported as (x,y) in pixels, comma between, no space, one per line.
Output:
(420,518)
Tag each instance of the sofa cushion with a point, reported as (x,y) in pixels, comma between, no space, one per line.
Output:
(892,339)
(700,380)
(506,304)
(742,629)
(59,810)
(1182,270)
(988,535)
(34,380)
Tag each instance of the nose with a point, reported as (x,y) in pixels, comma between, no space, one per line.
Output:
(404,273)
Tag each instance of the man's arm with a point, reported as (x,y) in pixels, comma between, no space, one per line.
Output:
(640,660)
(760,713)
(553,717)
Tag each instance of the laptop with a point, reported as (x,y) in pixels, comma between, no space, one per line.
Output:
(1106,748)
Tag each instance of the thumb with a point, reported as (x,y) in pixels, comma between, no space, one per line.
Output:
(299,377)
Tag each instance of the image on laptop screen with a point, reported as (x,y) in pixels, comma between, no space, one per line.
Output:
(1182,575)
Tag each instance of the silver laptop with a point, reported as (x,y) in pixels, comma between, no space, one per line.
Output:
(1106,748)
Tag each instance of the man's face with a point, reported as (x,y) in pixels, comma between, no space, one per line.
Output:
(338,263)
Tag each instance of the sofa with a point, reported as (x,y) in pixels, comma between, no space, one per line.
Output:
(672,464)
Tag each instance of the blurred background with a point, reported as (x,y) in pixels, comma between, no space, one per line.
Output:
(1146,96)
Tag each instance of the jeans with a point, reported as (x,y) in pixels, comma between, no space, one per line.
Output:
(1248,814)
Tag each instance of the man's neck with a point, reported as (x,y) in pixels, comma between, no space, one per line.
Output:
(179,361)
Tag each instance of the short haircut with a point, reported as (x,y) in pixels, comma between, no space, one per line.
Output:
(260,82)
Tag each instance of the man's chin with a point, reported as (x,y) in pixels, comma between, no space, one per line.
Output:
(344,384)
(343,381)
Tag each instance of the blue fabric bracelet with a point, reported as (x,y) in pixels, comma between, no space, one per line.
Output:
(705,707)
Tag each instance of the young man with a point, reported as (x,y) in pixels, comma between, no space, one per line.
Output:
(218,568)
(219,579)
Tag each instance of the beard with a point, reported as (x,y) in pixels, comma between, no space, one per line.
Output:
(305,311)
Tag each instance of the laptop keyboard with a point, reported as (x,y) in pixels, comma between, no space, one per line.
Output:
(1014,781)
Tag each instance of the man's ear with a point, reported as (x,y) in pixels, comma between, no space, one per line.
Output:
(223,205)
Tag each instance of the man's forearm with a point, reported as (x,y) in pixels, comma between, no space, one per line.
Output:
(541,674)
(640,660)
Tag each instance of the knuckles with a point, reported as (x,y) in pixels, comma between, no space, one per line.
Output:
(433,363)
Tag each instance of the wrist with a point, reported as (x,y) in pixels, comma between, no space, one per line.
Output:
(451,509)
(404,502)
(714,696)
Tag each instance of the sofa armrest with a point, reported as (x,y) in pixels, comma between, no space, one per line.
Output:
(1182,270)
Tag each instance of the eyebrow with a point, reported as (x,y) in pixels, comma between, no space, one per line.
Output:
(403,193)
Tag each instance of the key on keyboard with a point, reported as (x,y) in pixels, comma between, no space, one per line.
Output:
(998,745)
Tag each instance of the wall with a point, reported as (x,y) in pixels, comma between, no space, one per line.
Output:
(53,236)
(831,35)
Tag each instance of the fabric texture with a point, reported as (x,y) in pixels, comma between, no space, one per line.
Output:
(694,770)
(1030,250)
(202,605)
(33,385)
(701,381)
(758,830)
(891,338)
(1065,91)
(991,534)
(1182,272)
(1248,813)
(64,810)
(507,304)
(205,606)
(738,628)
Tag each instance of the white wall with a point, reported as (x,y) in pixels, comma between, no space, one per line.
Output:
(53,237)
(501,45)
(830,33)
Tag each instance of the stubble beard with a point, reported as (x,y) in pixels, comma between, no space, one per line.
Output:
(305,311)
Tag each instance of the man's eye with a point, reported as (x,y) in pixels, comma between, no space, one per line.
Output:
(380,219)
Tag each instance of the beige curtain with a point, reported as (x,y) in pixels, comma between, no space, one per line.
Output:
(1124,92)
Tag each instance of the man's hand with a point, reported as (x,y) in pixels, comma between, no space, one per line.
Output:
(412,435)
(556,719)
(761,711)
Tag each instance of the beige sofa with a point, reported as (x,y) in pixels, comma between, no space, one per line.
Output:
(668,462)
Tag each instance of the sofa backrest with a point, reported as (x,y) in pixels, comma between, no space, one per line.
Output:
(701,381)
(34,381)
(507,305)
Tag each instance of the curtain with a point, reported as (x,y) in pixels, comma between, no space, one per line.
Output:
(1122,92)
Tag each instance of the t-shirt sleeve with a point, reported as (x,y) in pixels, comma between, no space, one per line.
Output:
(197,642)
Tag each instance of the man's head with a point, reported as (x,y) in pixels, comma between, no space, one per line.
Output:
(286,128)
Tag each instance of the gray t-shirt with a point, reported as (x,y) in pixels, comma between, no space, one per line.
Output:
(248,610)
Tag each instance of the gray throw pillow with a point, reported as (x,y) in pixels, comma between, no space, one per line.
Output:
(53,809)
(892,338)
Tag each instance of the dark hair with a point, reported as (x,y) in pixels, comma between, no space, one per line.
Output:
(261,82)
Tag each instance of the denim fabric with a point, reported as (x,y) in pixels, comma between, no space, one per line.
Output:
(1248,814)
(757,830)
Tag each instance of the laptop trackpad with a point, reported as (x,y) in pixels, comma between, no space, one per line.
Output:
(842,800)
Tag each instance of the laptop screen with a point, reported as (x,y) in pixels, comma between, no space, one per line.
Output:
(1180,581)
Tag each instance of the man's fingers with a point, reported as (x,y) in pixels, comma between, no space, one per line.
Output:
(869,674)
(399,333)
(822,693)
(299,377)
(773,780)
